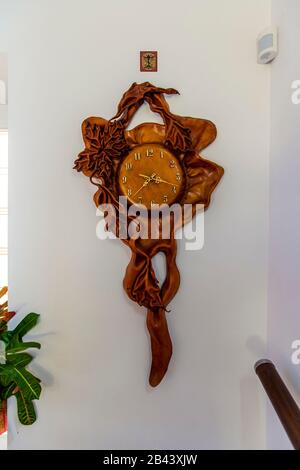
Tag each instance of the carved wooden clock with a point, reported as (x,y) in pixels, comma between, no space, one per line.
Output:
(152,166)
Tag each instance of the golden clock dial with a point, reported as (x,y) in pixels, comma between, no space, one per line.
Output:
(151,175)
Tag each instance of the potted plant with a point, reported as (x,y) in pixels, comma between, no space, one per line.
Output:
(15,379)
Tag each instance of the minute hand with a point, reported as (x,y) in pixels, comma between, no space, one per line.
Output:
(146,182)
(159,180)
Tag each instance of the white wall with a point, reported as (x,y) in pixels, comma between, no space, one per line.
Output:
(71,59)
(4,24)
(4,91)
(284,272)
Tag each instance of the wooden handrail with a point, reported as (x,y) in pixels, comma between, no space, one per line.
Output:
(284,404)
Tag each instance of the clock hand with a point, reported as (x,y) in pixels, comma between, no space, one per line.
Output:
(159,180)
(143,186)
(150,178)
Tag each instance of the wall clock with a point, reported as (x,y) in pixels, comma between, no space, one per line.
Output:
(153,167)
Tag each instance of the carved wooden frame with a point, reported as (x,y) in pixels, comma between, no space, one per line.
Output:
(106,143)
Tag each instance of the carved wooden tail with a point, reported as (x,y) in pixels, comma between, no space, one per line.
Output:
(161,345)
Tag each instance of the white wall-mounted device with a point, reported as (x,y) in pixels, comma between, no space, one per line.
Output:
(267,45)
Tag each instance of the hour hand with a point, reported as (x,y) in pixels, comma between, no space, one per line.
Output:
(149,178)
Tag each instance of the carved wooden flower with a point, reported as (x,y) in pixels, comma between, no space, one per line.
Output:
(104,142)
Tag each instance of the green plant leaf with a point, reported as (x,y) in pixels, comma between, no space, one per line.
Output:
(19,360)
(14,378)
(13,339)
(14,346)
(26,325)
(26,411)
(8,391)
(28,383)
(6,337)
(5,379)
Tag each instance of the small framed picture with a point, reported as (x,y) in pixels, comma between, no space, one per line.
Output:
(148,61)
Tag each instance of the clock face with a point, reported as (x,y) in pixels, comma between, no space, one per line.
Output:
(151,175)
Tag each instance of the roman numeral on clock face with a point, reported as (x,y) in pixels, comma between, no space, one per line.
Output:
(128,166)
